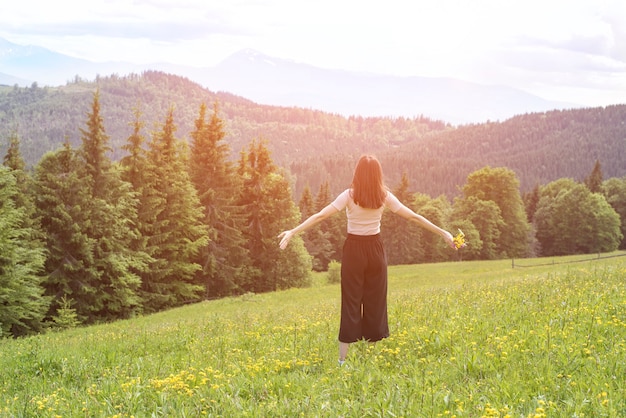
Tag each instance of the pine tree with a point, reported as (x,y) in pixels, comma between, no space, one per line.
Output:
(225,260)
(595,178)
(135,162)
(307,208)
(88,214)
(13,158)
(270,210)
(24,196)
(23,304)
(402,239)
(334,228)
(32,241)
(306,205)
(62,201)
(531,199)
(135,171)
(111,225)
(172,224)
(317,238)
(95,146)
(432,247)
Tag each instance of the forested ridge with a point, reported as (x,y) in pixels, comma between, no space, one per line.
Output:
(45,117)
(539,148)
(436,156)
(151,201)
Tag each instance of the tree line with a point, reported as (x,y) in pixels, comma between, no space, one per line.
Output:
(85,239)
(562,217)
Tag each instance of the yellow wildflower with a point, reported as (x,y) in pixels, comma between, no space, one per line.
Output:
(459,240)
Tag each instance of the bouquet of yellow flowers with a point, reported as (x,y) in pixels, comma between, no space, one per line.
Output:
(459,240)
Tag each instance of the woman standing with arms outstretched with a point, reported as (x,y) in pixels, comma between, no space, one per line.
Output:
(364,263)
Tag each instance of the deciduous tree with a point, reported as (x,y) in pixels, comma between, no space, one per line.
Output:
(483,231)
(501,186)
(573,220)
(614,191)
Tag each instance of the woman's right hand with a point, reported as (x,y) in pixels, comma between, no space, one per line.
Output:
(286,237)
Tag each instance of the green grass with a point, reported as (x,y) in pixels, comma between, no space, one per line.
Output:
(468,339)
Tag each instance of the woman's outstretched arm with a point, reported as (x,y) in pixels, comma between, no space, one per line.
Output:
(407,213)
(309,222)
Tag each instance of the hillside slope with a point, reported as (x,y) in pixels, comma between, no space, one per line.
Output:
(317,146)
(539,147)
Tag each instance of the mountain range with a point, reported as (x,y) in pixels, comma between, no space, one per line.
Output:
(279,82)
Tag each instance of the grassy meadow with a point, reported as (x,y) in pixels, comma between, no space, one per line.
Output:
(468,339)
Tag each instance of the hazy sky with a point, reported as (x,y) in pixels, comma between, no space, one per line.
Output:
(570,50)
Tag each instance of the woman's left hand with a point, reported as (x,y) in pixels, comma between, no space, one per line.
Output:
(449,240)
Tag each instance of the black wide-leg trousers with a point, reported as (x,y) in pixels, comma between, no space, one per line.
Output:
(363,289)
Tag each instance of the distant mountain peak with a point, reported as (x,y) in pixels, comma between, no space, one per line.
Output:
(5,44)
(252,56)
(280,82)
(249,52)
(9,50)
(275,81)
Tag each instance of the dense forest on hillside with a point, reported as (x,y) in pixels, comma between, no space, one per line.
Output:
(316,146)
(45,117)
(539,148)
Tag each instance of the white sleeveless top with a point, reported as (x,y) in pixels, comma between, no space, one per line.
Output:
(364,221)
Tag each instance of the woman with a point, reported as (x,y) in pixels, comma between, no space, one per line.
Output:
(364,263)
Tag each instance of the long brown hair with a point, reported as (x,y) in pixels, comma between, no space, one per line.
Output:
(368,187)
